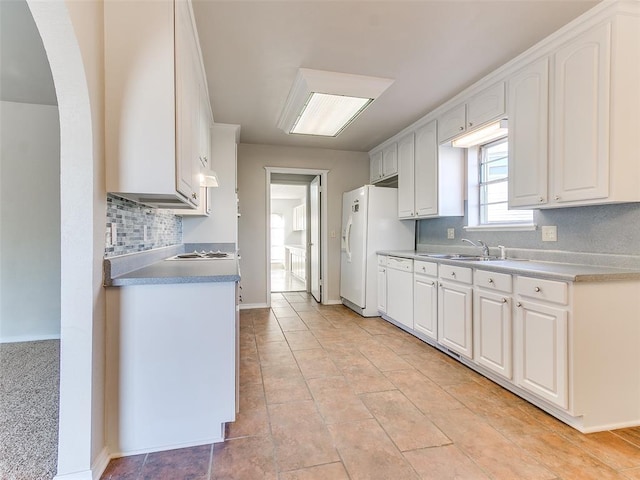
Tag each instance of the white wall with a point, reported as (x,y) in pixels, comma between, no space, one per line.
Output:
(347,170)
(29,222)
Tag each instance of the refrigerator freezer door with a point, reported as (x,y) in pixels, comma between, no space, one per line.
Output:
(354,242)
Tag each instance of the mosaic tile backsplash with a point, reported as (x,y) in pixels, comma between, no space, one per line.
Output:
(163,228)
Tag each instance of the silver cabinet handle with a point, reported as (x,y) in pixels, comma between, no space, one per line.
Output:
(518,305)
(541,199)
(557,197)
(491,281)
(433,284)
(471,124)
(537,289)
(461,128)
(504,300)
(453,274)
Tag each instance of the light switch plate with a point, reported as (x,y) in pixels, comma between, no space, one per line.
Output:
(451,233)
(549,233)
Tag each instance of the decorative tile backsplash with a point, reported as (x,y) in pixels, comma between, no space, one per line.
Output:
(131,219)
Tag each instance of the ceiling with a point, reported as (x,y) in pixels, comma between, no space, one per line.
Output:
(253,49)
(288,192)
(432,49)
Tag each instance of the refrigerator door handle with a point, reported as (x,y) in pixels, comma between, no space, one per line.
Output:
(347,239)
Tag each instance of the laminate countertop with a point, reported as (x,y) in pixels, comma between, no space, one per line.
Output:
(533,268)
(152,267)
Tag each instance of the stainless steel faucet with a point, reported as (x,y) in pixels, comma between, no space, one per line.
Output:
(480,244)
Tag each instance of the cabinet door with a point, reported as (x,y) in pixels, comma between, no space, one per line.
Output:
(485,106)
(390,160)
(406,177)
(580,161)
(400,296)
(541,351)
(425,306)
(492,332)
(454,318)
(376,167)
(452,123)
(382,289)
(528,135)
(426,170)
(187,105)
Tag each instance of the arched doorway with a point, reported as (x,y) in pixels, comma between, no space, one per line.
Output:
(69,30)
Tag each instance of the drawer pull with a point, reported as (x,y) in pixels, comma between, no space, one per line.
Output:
(491,281)
(433,284)
(453,274)
(518,305)
(537,289)
(504,300)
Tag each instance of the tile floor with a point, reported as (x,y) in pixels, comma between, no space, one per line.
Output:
(326,394)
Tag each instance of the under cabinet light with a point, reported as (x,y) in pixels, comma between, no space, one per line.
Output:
(209,179)
(325,103)
(482,135)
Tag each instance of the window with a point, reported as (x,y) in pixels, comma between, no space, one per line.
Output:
(493,187)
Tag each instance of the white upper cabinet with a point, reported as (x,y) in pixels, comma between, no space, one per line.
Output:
(406,152)
(580,116)
(571,139)
(384,163)
(483,107)
(375,166)
(155,103)
(528,111)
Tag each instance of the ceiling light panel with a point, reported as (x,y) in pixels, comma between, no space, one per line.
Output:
(324,103)
(328,115)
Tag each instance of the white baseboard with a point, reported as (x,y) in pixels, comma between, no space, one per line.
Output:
(249,306)
(332,302)
(100,464)
(164,448)
(28,338)
(97,469)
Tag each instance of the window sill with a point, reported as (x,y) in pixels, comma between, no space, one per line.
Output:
(501,228)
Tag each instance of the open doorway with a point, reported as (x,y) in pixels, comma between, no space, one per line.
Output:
(296,213)
(289,237)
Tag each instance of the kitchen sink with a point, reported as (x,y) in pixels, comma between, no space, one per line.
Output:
(457,256)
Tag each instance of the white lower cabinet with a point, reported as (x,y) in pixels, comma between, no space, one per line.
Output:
(425,299)
(492,322)
(541,336)
(455,309)
(400,290)
(382,284)
(571,348)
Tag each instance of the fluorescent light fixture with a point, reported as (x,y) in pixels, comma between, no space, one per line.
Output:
(482,135)
(324,103)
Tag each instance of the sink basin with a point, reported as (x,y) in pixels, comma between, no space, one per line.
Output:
(457,256)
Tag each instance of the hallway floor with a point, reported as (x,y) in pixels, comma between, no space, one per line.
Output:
(284,281)
(326,394)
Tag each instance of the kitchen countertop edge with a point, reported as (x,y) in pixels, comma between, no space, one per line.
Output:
(160,271)
(534,268)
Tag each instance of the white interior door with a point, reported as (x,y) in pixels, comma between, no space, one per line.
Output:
(314,238)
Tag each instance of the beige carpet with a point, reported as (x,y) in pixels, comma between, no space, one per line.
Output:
(29,392)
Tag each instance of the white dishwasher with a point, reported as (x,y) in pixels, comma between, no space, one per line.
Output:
(400,291)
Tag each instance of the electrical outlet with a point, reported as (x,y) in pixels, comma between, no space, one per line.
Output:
(549,233)
(114,235)
(451,233)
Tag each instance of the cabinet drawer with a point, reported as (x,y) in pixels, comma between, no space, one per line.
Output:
(382,260)
(458,274)
(547,290)
(500,282)
(405,264)
(426,268)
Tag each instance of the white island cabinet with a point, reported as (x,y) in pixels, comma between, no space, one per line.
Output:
(157,111)
(171,365)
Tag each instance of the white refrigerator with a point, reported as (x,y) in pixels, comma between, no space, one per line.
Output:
(369,224)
